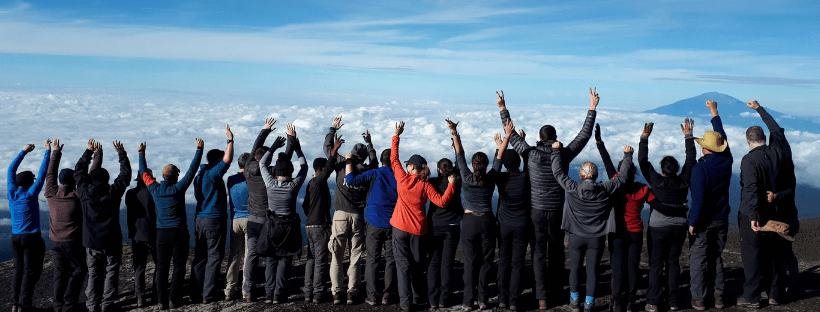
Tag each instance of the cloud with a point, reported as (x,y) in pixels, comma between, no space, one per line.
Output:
(754,80)
(5,221)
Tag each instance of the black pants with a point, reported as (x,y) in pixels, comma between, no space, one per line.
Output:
(316,266)
(70,269)
(409,266)
(442,244)
(705,260)
(478,246)
(102,289)
(511,253)
(209,250)
(172,246)
(625,257)
(141,252)
(376,239)
(758,251)
(591,250)
(29,251)
(549,240)
(667,244)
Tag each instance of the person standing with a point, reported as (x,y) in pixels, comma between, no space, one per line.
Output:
(172,224)
(26,241)
(709,214)
(238,191)
(348,219)
(380,204)
(102,236)
(142,230)
(547,197)
(444,234)
(211,217)
(65,231)
(766,170)
(409,220)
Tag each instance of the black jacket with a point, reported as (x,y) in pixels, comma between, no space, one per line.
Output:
(348,198)
(317,197)
(546,193)
(101,204)
(444,216)
(768,168)
(513,196)
(141,213)
(257,192)
(672,192)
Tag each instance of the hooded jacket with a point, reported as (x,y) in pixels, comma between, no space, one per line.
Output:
(101,203)
(282,194)
(23,203)
(210,192)
(169,196)
(65,215)
(546,192)
(383,194)
(348,198)
(141,214)
(710,181)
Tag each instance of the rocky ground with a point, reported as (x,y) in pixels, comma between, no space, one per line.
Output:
(805,248)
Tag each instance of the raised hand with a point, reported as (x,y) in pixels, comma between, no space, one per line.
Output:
(118,147)
(337,143)
(199,143)
(48,144)
(499,143)
(452,125)
(278,143)
(141,146)
(557,145)
(56,146)
(509,128)
(753,104)
(228,132)
(598,134)
(269,122)
(628,149)
(91,144)
(28,148)
(452,178)
(337,123)
(291,130)
(712,106)
(366,136)
(521,133)
(500,100)
(399,128)
(593,98)
(98,148)
(647,128)
(687,126)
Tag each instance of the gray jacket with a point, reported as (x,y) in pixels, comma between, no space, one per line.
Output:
(282,194)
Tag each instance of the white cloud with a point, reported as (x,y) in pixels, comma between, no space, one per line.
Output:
(5,221)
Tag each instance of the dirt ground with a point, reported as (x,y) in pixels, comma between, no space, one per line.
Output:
(805,247)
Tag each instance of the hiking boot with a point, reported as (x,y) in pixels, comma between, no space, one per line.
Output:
(651,308)
(386,299)
(698,305)
(589,307)
(317,298)
(574,305)
(371,301)
(162,307)
(337,298)
(246,297)
(141,303)
(276,299)
(502,305)
(542,304)
(173,305)
(741,302)
(269,298)
(307,298)
(773,302)
(513,308)
(351,296)
(630,307)
(719,301)
(482,306)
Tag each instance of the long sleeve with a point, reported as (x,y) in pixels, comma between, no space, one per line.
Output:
(11,179)
(124,178)
(565,181)
(81,177)
(647,169)
(610,169)
(398,170)
(360,179)
(329,142)
(260,139)
(263,168)
(331,161)
(691,157)
(186,181)
(143,167)
(577,145)
(717,126)
(41,176)
(97,161)
(698,185)
(51,176)
(439,200)
(777,137)
(464,171)
(516,141)
(303,171)
(373,160)
(750,193)
(613,184)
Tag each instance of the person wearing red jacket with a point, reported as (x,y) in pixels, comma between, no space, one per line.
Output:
(409,219)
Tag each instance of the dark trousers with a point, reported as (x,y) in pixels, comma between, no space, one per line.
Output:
(549,240)
(667,244)
(376,239)
(29,252)
(442,243)
(580,249)
(276,269)
(252,259)
(172,246)
(316,266)
(409,266)
(758,252)
(102,289)
(478,246)
(209,250)
(70,269)
(625,257)
(511,253)
(141,252)
(705,260)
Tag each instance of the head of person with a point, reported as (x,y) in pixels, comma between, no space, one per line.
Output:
(755,137)
(283,167)
(385,157)
(480,161)
(445,167)
(547,133)
(319,164)
(25,179)
(170,173)
(589,171)
(243,159)
(712,142)
(139,180)
(214,156)
(418,165)
(511,160)
(66,177)
(669,166)
(630,175)
(359,152)
(99,176)
(259,152)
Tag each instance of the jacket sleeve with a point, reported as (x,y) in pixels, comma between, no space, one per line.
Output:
(620,178)
(360,179)
(132,206)
(373,162)
(750,193)
(186,181)
(610,169)
(398,170)
(698,185)
(302,175)
(516,141)
(263,168)
(51,176)
(331,161)
(497,163)
(647,170)
(439,200)
(577,145)
(124,178)
(566,182)
(97,161)
(81,177)
(776,133)
(717,126)
(464,171)
(11,178)
(41,176)
(260,140)
(691,157)
(329,142)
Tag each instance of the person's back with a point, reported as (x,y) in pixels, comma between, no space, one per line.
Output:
(141,213)
(210,192)
(238,190)
(65,213)
(513,197)
(316,206)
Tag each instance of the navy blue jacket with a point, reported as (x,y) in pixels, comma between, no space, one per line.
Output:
(709,185)
(383,194)
(209,190)
(169,196)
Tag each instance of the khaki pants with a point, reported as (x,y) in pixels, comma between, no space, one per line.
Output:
(346,227)
(236,258)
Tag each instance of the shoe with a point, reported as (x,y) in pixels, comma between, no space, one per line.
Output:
(651,308)
(773,302)
(14,308)
(698,305)
(337,298)
(386,299)
(317,298)
(466,307)
(630,307)
(542,304)
(673,308)
(140,303)
(307,298)
(173,305)
(406,309)
(351,295)
(574,305)
(247,298)
(276,299)
(269,298)
(482,306)
(513,308)
(589,307)
(163,307)
(743,303)
(719,301)
(614,307)
(371,301)
(502,305)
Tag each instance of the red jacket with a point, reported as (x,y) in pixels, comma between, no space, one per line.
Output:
(409,215)
(628,202)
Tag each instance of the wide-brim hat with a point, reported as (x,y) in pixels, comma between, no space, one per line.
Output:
(713,141)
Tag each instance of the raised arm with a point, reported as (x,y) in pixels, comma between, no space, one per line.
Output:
(610,169)
(81,177)
(373,160)
(461,161)
(331,134)
(124,178)
(264,163)
(97,161)
(331,161)
(260,139)
(11,178)
(647,169)
(516,141)
(577,145)
(689,143)
(186,181)
(444,199)
(398,170)
(566,182)
(777,136)
(41,175)
(612,185)
(303,166)
(53,169)
(228,158)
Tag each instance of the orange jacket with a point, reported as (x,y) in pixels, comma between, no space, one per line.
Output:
(409,215)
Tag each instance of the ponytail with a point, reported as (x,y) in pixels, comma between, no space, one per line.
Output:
(445,167)
(424,173)
(480,162)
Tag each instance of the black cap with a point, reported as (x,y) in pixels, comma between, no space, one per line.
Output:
(417,160)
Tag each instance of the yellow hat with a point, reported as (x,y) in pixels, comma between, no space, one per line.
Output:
(713,141)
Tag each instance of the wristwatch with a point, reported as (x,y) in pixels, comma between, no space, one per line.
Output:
(230,141)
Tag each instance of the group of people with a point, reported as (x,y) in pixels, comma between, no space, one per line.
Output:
(406,222)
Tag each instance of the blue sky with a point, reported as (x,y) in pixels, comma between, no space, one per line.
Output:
(640,54)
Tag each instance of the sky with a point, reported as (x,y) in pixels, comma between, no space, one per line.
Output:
(640,54)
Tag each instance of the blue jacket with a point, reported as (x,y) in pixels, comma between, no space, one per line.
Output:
(169,196)
(383,194)
(709,185)
(23,203)
(238,189)
(210,193)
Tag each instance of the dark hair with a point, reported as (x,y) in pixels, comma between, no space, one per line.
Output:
(445,166)
(319,163)
(99,175)
(243,159)
(25,179)
(424,173)
(547,133)
(283,168)
(630,175)
(670,166)
(214,156)
(755,135)
(511,159)
(259,152)
(480,162)
(66,177)
(385,157)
